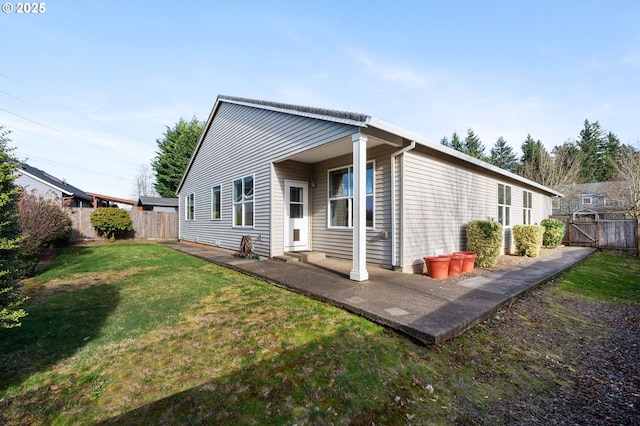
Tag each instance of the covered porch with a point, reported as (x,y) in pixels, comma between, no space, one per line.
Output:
(337,199)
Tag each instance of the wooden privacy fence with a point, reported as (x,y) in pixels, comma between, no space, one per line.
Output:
(147,225)
(603,234)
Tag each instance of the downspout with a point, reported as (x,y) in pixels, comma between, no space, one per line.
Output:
(393,200)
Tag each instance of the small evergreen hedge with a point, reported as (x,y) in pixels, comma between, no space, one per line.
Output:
(528,239)
(553,232)
(485,239)
(111,221)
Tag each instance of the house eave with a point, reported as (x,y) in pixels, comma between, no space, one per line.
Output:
(382,125)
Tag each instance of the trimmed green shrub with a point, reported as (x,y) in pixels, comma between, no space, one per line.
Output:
(553,232)
(485,239)
(528,239)
(110,221)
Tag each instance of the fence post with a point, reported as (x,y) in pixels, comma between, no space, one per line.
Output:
(569,230)
(597,231)
(637,240)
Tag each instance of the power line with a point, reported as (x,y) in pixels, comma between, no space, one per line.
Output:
(15,97)
(71,166)
(72,109)
(13,79)
(48,127)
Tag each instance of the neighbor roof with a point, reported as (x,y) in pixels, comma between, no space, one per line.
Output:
(54,182)
(360,120)
(158,202)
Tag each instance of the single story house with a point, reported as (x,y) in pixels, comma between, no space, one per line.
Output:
(157,204)
(46,185)
(299,178)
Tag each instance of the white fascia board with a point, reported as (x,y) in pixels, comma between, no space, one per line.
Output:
(300,113)
(197,147)
(49,184)
(382,125)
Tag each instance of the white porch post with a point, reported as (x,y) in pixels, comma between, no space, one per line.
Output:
(359,271)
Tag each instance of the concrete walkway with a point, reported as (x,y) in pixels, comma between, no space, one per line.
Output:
(428,310)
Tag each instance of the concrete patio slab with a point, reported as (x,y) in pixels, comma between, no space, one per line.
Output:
(428,310)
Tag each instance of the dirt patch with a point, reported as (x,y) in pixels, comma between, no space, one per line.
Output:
(38,292)
(504,262)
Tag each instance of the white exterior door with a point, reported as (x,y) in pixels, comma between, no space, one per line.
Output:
(296,218)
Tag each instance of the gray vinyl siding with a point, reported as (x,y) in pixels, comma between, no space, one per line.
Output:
(339,242)
(287,170)
(30,184)
(440,197)
(242,141)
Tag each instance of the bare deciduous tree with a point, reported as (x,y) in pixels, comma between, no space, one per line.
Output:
(627,189)
(144,183)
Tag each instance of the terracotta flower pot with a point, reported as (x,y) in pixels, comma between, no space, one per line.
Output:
(469,260)
(455,265)
(437,267)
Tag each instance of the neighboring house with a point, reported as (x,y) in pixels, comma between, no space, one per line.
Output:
(298,178)
(157,204)
(602,198)
(46,185)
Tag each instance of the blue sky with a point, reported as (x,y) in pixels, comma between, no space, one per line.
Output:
(88,87)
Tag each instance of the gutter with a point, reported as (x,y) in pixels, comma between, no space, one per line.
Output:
(393,199)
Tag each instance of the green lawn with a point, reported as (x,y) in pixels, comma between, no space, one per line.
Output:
(138,333)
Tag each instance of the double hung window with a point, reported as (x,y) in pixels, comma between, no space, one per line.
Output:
(341,197)
(189,207)
(243,202)
(527,205)
(504,204)
(215,202)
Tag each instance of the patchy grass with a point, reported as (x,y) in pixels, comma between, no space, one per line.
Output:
(608,277)
(133,334)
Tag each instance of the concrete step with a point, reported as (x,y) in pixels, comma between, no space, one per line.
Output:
(287,259)
(307,256)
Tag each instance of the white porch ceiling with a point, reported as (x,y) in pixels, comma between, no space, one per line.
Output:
(333,149)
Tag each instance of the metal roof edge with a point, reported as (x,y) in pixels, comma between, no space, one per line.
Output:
(344,117)
(388,127)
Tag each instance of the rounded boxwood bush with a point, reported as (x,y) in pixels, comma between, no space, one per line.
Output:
(485,239)
(553,232)
(528,239)
(110,221)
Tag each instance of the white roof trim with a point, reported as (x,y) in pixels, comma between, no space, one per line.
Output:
(45,182)
(296,112)
(387,127)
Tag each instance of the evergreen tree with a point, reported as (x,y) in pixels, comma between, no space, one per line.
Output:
(599,153)
(502,156)
(535,160)
(11,298)
(473,146)
(455,142)
(175,150)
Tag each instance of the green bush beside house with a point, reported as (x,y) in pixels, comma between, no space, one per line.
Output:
(485,239)
(554,230)
(528,239)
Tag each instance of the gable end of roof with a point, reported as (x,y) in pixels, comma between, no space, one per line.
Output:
(342,115)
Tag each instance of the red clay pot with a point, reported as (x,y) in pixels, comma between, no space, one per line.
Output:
(469,260)
(437,267)
(455,265)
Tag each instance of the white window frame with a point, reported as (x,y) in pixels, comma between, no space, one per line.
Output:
(190,207)
(527,206)
(504,208)
(584,200)
(349,197)
(243,202)
(213,205)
